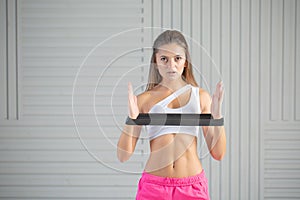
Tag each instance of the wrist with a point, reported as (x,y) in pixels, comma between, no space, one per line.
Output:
(133,116)
(218,116)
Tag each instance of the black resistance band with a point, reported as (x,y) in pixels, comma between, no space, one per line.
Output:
(175,119)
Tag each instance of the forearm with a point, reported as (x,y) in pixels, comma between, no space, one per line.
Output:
(216,141)
(127,142)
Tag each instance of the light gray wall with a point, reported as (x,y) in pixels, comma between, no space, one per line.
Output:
(41,154)
(54,144)
(255,47)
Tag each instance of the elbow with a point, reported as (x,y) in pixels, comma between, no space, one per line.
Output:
(122,159)
(218,152)
(218,156)
(123,155)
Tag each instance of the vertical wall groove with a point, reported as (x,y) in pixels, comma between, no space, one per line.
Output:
(17,62)
(11,67)
(162,14)
(3,60)
(152,23)
(181,15)
(201,35)
(271,63)
(210,43)
(172,14)
(7,75)
(191,27)
(259,100)
(295,66)
(221,39)
(250,95)
(230,98)
(239,67)
(282,65)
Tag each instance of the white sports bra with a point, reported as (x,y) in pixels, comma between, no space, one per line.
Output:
(193,106)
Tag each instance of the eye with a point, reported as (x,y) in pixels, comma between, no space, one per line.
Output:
(178,58)
(164,59)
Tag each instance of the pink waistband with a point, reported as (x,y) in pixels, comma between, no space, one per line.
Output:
(168,181)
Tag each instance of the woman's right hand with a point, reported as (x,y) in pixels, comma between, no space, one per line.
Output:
(133,110)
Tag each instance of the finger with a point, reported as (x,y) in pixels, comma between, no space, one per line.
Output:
(221,94)
(220,82)
(217,91)
(130,91)
(221,91)
(129,87)
(220,85)
(215,100)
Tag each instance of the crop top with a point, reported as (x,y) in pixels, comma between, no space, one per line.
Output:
(192,106)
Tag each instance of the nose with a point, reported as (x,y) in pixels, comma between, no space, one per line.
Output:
(171,63)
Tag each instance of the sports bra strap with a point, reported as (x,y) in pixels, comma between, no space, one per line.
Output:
(175,94)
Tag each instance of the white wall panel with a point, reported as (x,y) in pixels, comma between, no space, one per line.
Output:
(41,154)
(254,45)
(280,139)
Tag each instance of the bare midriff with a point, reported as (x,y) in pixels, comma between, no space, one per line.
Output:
(174,155)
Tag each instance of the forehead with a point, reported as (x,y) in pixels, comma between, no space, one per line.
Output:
(171,50)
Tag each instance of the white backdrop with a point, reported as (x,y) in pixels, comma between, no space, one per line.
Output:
(57,145)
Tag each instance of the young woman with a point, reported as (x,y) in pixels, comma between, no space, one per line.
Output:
(173,170)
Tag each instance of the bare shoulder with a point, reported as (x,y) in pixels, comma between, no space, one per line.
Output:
(204,94)
(143,101)
(205,100)
(147,99)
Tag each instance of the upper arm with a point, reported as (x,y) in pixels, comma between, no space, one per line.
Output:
(142,101)
(205,101)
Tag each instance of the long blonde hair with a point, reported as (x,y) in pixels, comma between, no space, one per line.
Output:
(168,37)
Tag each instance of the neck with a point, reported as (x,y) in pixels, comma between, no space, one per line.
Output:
(173,84)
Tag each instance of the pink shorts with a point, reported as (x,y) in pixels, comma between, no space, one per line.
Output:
(156,187)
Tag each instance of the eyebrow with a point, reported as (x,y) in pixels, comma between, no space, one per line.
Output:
(173,56)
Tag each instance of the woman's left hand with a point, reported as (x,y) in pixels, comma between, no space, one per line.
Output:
(217,100)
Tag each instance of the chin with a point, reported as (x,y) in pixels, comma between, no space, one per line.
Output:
(172,78)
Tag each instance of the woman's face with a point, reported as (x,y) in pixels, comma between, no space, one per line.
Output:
(170,60)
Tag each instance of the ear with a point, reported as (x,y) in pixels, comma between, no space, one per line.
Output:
(186,63)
